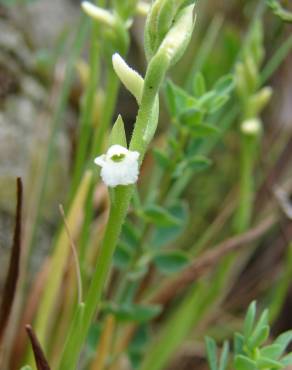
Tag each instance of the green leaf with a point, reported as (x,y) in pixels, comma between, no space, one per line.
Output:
(244,363)
(211,352)
(165,235)
(196,163)
(170,262)
(122,256)
(159,216)
(283,340)
(204,130)
(272,351)
(161,158)
(93,336)
(199,85)
(199,163)
(258,337)
(267,363)
(177,99)
(165,18)
(206,101)
(218,103)
(134,312)
(191,117)
(263,320)
(238,343)
(138,272)
(224,356)
(140,340)
(224,85)
(118,135)
(130,235)
(287,360)
(26,367)
(249,320)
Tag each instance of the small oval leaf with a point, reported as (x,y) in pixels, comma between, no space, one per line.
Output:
(170,262)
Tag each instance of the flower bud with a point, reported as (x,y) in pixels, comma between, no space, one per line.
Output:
(251,127)
(130,78)
(179,36)
(143,8)
(98,14)
(158,23)
(263,97)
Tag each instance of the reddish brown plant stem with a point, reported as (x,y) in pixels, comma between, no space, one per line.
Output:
(13,270)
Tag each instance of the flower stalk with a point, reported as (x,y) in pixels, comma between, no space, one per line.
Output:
(144,129)
(253,101)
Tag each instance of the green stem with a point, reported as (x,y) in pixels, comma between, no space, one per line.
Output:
(77,334)
(278,57)
(121,200)
(87,109)
(146,123)
(246,196)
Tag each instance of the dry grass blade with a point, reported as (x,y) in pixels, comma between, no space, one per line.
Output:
(74,252)
(39,356)
(13,270)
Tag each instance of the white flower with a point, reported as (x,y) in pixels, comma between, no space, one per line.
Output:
(119,166)
(251,126)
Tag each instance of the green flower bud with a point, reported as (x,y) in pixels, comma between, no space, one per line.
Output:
(179,36)
(157,25)
(240,81)
(257,102)
(143,8)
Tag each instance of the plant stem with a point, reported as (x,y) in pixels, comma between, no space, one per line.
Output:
(244,211)
(87,109)
(121,200)
(78,335)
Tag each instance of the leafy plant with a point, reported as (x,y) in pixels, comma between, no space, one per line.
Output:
(250,348)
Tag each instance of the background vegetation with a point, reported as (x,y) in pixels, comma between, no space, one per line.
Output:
(209,227)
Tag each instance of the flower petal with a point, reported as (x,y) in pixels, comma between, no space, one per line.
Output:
(101,160)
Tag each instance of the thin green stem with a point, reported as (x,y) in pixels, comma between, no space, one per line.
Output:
(276,59)
(246,196)
(78,335)
(121,197)
(87,109)
(206,48)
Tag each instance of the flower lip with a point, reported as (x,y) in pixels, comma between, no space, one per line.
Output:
(118,157)
(119,166)
(116,150)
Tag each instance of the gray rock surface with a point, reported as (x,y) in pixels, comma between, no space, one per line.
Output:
(25,124)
